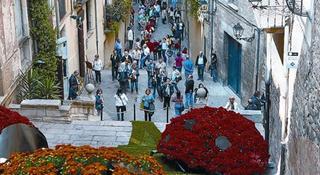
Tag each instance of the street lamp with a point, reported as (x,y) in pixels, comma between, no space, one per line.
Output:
(255,3)
(238,32)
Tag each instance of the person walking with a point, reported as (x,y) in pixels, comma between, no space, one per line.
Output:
(115,61)
(201,62)
(178,107)
(73,86)
(121,102)
(134,75)
(150,70)
(136,54)
(126,57)
(97,67)
(145,56)
(118,47)
(130,37)
(213,66)
(188,67)
(164,49)
(167,91)
(164,14)
(148,105)
(189,92)
(179,61)
(99,102)
(123,76)
(175,77)
(161,65)
(161,78)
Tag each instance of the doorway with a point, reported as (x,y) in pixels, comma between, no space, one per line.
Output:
(234,64)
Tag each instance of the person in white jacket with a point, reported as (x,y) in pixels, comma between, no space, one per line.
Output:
(97,67)
(232,105)
(130,37)
(121,102)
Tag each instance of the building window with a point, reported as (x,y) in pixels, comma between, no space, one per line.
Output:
(89,16)
(20,30)
(62,9)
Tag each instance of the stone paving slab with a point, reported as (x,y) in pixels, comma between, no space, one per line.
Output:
(79,133)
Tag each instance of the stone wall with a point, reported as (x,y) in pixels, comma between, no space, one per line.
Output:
(274,124)
(224,20)
(15,47)
(304,143)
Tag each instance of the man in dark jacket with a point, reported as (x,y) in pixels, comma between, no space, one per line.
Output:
(167,91)
(73,86)
(201,62)
(189,92)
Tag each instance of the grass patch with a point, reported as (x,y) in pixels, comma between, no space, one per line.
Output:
(144,138)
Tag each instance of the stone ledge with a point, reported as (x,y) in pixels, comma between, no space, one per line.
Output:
(36,103)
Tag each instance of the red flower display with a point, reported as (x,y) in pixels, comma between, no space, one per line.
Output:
(216,140)
(8,117)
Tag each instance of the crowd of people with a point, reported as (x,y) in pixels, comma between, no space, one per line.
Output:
(163,61)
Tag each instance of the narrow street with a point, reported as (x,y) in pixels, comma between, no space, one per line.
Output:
(218,94)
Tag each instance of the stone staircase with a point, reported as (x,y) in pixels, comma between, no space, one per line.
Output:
(94,133)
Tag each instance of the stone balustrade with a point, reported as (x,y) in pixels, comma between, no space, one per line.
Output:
(54,111)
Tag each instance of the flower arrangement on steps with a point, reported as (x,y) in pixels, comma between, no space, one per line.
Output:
(216,141)
(85,160)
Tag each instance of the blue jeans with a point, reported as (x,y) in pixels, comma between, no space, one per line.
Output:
(134,84)
(177,109)
(189,100)
(200,71)
(214,74)
(154,91)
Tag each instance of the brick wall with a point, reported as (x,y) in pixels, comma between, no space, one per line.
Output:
(304,144)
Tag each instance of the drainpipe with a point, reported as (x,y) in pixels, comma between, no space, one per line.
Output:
(188,28)
(257,57)
(96,19)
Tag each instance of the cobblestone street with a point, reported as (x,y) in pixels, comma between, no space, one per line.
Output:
(218,94)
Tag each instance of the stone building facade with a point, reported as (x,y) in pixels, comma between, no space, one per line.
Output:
(15,46)
(82,35)
(223,16)
(304,140)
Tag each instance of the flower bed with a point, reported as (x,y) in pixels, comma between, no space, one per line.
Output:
(67,159)
(8,117)
(217,141)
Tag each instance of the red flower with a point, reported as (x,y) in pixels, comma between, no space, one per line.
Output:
(192,139)
(8,117)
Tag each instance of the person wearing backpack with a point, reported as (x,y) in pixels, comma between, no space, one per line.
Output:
(121,102)
(99,102)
